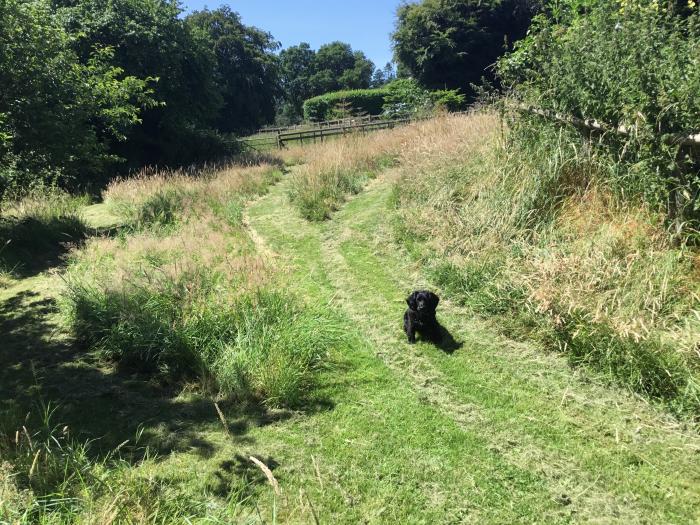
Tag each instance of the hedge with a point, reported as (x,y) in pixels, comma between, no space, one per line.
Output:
(360,100)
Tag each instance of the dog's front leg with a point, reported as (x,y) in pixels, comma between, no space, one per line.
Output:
(410,330)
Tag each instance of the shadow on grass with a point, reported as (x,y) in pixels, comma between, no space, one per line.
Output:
(242,468)
(447,342)
(29,246)
(443,339)
(39,361)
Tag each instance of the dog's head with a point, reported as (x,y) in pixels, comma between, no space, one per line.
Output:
(423,301)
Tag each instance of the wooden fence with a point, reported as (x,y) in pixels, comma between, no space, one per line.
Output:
(279,140)
(317,125)
(331,129)
(690,140)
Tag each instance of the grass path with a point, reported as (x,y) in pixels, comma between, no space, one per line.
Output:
(484,430)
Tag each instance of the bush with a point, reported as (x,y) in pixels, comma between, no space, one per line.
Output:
(448,100)
(407,99)
(359,100)
(639,70)
(401,98)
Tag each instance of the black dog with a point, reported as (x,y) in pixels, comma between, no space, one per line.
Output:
(420,316)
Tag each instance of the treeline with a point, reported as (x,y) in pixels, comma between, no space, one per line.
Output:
(90,88)
(306,73)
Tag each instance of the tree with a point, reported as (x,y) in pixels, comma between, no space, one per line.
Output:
(150,40)
(59,116)
(306,73)
(382,77)
(247,71)
(297,66)
(338,67)
(454,43)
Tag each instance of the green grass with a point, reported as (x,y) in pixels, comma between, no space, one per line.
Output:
(480,429)
(263,345)
(322,186)
(527,234)
(559,448)
(36,232)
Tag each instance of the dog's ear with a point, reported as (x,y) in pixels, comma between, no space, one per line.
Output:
(411,301)
(434,300)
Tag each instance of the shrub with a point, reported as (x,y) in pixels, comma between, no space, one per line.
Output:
(448,99)
(359,100)
(405,98)
(640,70)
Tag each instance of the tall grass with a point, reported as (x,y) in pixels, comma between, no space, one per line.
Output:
(34,231)
(336,169)
(165,198)
(47,476)
(525,228)
(185,295)
(255,345)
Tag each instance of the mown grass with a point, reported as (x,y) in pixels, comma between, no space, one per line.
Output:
(527,232)
(405,441)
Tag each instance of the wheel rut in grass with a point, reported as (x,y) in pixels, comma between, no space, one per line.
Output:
(601,453)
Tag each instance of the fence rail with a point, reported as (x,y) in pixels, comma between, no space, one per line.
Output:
(341,127)
(309,126)
(690,140)
(279,140)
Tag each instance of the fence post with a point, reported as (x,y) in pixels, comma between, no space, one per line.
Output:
(279,140)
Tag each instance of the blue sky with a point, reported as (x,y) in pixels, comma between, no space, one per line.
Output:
(364,24)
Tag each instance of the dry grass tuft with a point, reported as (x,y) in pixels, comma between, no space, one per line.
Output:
(338,168)
(166,197)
